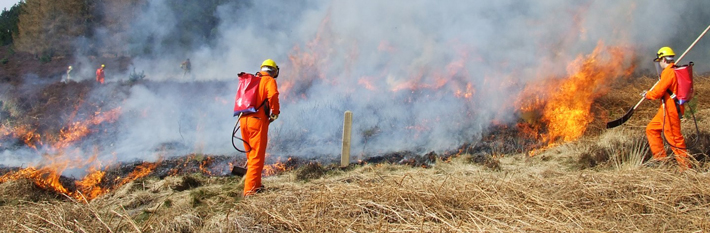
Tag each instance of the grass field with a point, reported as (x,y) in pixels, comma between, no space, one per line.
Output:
(597,183)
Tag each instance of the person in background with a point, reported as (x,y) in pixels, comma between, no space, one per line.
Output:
(186,67)
(100,74)
(68,74)
(255,126)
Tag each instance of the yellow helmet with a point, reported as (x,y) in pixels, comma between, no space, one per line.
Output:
(664,52)
(270,63)
(102,65)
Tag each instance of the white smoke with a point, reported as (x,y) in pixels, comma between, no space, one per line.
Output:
(399,66)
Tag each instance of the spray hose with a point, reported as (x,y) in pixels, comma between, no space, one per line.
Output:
(663,127)
(234,135)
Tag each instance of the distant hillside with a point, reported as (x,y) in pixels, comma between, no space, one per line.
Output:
(8,23)
(50,28)
(42,37)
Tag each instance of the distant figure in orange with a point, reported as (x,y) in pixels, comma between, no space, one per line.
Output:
(100,74)
(255,126)
(667,120)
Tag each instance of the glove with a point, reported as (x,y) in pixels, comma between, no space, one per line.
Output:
(643,94)
(273,117)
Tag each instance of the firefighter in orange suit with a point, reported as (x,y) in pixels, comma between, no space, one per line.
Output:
(667,120)
(255,127)
(100,74)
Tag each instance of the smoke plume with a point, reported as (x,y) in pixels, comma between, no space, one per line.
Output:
(417,75)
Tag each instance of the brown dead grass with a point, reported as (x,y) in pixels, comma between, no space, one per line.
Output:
(454,196)
(462,198)
(598,183)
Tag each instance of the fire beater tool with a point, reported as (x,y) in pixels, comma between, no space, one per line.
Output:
(239,171)
(629,113)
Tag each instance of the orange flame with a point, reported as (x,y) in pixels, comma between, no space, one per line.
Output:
(565,104)
(77,130)
(89,185)
(87,188)
(204,165)
(29,136)
(139,172)
(47,175)
(276,168)
(45,178)
(273,169)
(367,83)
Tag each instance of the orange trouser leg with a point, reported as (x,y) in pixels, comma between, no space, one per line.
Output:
(254,130)
(671,131)
(653,133)
(676,140)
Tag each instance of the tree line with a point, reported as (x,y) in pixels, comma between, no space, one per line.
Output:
(63,27)
(8,23)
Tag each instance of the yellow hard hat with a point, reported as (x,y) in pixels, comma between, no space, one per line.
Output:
(664,52)
(102,65)
(270,63)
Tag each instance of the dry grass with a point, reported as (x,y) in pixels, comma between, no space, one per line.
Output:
(598,183)
(463,198)
(455,196)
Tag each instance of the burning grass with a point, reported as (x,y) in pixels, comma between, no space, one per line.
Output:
(598,181)
(527,194)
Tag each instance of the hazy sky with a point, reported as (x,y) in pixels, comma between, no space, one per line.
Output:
(6,4)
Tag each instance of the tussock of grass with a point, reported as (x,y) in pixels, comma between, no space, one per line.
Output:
(626,149)
(484,159)
(456,200)
(188,182)
(592,157)
(451,196)
(598,183)
(310,171)
(24,190)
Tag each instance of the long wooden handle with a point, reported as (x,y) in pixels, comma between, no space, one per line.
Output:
(643,98)
(693,44)
(639,103)
(679,58)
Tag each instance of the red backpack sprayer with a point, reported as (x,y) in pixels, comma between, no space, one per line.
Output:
(245,103)
(684,76)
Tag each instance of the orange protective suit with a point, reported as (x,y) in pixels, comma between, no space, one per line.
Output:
(255,128)
(671,124)
(100,75)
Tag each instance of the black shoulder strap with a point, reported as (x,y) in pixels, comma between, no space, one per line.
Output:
(267,108)
(673,96)
(675,101)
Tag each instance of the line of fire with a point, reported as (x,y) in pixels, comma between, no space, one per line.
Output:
(557,109)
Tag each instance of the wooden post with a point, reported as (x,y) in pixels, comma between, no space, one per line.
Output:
(347,129)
